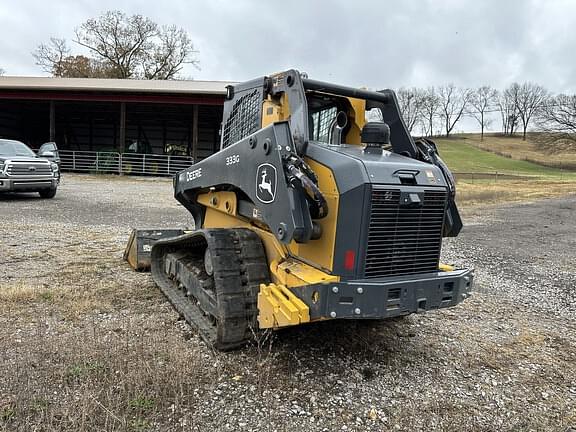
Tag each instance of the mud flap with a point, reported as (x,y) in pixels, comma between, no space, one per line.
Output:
(139,246)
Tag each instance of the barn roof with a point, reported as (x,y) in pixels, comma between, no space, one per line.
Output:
(190,87)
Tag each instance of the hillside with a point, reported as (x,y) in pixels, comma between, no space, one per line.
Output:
(533,149)
(485,177)
(463,154)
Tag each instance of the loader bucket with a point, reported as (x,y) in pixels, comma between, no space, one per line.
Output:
(140,243)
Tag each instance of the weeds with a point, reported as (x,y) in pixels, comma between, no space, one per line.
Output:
(7,414)
(139,425)
(84,369)
(142,403)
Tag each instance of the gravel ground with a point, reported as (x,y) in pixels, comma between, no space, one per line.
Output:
(87,344)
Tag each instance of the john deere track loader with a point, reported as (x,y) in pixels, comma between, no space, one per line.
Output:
(310,212)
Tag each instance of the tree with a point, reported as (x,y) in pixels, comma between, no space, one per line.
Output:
(49,56)
(80,66)
(54,58)
(557,119)
(120,46)
(172,52)
(2,72)
(453,102)
(410,105)
(528,99)
(430,107)
(481,101)
(508,110)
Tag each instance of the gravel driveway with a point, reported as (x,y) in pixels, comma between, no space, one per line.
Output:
(86,344)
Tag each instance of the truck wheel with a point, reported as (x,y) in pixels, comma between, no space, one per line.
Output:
(47,193)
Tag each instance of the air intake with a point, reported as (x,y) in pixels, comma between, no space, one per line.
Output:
(404,239)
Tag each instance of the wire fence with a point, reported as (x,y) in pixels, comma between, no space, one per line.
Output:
(494,175)
(123,163)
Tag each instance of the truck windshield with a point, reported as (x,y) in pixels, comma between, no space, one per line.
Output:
(15,148)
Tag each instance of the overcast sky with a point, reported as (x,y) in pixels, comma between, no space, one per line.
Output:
(362,43)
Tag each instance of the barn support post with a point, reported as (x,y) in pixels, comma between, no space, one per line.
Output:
(194,132)
(52,127)
(122,139)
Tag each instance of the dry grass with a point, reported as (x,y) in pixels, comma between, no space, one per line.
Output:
(132,374)
(96,378)
(486,191)
(22,293)
(70,301)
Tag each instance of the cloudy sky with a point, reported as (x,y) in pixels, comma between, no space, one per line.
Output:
(360,42)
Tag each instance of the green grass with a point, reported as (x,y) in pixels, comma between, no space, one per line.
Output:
(464,158)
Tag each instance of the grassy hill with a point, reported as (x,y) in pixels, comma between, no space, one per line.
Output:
(534,150)
(516,179)
(464,155)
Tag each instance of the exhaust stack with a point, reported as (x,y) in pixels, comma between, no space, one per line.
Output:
(336,128)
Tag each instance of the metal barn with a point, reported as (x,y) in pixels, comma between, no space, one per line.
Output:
(125,126)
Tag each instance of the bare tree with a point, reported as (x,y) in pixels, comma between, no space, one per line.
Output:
(166,59)
(410,103)
(482,100)
(49,56)
(556,117)
(529,99)
(118,40)
(453,102)
(54,58)
(508,110)
(121,46)
(2,72)
(430,107)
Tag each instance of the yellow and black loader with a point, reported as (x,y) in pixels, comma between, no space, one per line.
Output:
(308,212)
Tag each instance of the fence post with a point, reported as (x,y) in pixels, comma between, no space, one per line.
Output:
(97,162)
(169,157)
(74,160)
(144,163)
(120,163)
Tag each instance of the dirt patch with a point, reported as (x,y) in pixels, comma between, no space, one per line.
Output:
(86,344)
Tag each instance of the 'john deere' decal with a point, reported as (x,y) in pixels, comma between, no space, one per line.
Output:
(266,183)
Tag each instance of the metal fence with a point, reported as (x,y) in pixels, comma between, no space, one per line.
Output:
(123,163)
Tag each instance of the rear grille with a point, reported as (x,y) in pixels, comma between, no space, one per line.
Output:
(28,169)
(244,118)
(404,240)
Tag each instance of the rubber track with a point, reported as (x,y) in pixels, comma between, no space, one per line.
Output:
(240,267)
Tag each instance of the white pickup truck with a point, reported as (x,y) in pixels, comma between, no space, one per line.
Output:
(21,170)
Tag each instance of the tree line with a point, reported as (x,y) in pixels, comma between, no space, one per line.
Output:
(520,106)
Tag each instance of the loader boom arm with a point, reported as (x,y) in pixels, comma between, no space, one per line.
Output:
(280,203)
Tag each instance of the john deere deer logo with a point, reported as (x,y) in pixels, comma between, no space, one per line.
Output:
(266,183)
